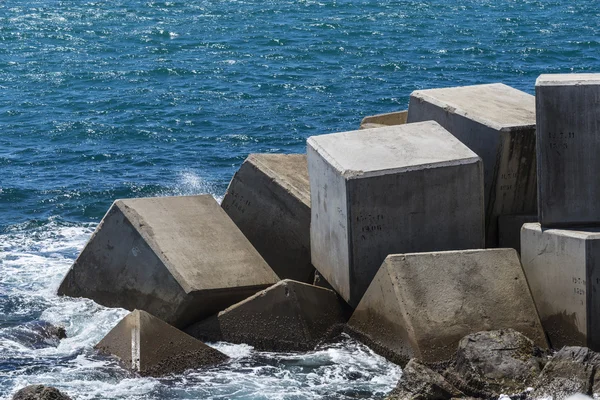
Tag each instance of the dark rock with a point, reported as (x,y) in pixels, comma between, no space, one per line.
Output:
(419,382)
(502,361)
(39,334)
(571,370)
(40,392)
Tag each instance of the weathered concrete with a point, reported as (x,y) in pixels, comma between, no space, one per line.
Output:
(568,144)
(398,189)
(509,230)
(498,123)
(179,258)
(151,347)
(387,119)
(40,392)
(269,200)
(421,305)
(419,382)
(288,316)
(563,271)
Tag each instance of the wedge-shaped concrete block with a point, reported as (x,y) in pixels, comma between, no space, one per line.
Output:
(180,258)
(498,123)
(380,191)
(269,200)
(380,120)
(288,316)
(509,230)
(420,305)
(151,347)
(568,121)
(563,271)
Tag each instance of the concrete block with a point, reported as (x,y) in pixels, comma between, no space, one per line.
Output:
(288,316)
(180,258)
(498,123)
(509,230)
(398,189)
(568,121)
(387,119)
(151,347)
(422,304)
(563,271)
(269,200)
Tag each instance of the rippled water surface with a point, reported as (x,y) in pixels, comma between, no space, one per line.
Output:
(118,98)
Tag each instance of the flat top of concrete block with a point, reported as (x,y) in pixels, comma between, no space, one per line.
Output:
(577,232)
(197,242)
(496,105)
(567,79)
(289,170)
(393,149)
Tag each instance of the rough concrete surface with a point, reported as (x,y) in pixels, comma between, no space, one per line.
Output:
(563,271)
(380,120)
(269,200)
(39,392)
(498,123)
(568,145)
(509,230)
(179,258)
(151,347)
(288,316)
(374,192)
(420,305)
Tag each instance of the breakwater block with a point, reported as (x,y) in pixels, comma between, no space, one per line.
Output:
(509,230)
(563,271)
(269,200)
(288,316)
(398,189)
(387,119)
(498,123)
(568,146)
(421,305)
(180,258)
(151,347)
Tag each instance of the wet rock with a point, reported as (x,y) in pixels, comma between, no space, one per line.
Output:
(40,392)
(39,334)
(572,370)
(501,361)
(420,382)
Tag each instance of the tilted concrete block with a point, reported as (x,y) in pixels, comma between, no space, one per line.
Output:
(498,123)
(398,189)
(563,271)
(288,316)
(421,304)
(568,144)
(269,200)
(509,230)
(151,347)
(180,258)
(387,119)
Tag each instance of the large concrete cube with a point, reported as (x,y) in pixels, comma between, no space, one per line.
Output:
(380,120)
(179,258)
(498,123)
(269,200)
(380,191)
(151,347)
(568,118)
(563,271)
(420,305)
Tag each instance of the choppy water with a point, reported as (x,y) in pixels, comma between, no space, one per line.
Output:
(119,98)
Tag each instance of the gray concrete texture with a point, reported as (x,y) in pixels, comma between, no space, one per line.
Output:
(568,143)
(180,258)
(563,271)
(509,230)
(269,200)
(498,123)
(421,305)
(288,316)
(387,119)
(151,347)
(374,192)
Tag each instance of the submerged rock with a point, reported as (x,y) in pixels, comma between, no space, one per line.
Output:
(419,382)
(40,392)
(39,334)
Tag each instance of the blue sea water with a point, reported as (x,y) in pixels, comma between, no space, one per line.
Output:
(108,99)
